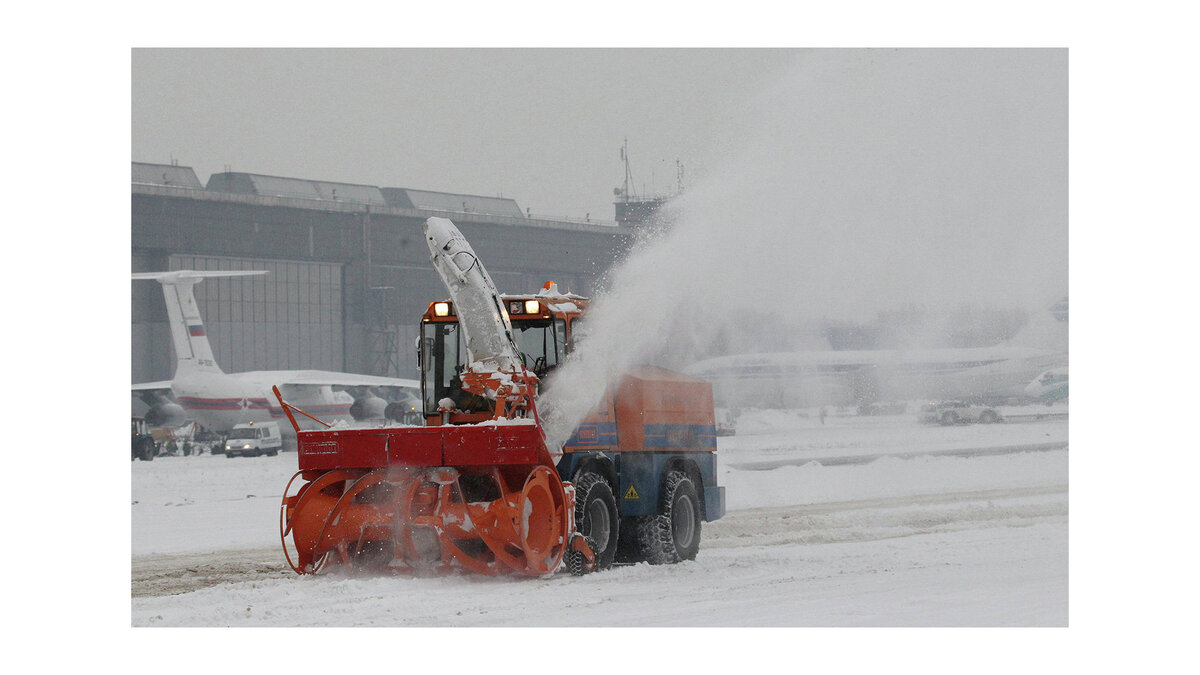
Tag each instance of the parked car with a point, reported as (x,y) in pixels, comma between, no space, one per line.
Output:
(253,440)
(947,413)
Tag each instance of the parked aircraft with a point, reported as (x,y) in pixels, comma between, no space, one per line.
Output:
(202,392)
(865,376)
(1050,386)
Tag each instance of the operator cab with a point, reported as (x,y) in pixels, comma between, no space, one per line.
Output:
(542,327)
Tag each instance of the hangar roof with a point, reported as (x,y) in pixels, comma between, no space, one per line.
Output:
(166,174)
(448,201)
(156,176)
(278,186)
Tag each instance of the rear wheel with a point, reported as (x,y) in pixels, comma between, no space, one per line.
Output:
(147,449)
(673,534)
(596,516)
(989,417)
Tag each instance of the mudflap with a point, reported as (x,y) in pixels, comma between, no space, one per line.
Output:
(714,502)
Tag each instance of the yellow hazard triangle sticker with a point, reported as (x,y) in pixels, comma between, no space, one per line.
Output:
(632,493)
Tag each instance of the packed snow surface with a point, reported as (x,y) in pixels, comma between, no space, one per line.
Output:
(841,521)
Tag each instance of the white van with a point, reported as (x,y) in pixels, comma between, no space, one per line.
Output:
(253,439)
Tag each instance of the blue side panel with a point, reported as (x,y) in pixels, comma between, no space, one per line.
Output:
(638,472)
(639,476)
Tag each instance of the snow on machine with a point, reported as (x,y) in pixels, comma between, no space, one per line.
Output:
(475,487)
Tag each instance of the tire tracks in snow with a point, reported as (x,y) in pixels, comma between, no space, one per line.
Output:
(867,458)
(886,518)
(830,522)
(175,573)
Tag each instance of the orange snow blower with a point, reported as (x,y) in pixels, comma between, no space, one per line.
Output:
(482,497)
(477,488)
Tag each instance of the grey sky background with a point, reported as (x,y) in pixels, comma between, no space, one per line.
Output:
(888,176)
(542,126)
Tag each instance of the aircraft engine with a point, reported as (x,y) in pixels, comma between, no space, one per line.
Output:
(165,414)
(406,411)
(368,407)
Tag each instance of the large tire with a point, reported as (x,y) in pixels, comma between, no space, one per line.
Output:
(147,449)
(949,418)
(596,516)
(673,534)
(989,417)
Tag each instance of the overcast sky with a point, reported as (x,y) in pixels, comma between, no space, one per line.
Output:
(542,126)
(924,171)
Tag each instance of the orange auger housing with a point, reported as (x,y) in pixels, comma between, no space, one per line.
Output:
(483,496)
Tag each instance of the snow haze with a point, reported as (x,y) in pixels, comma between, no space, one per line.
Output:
(863,181)
(872,179)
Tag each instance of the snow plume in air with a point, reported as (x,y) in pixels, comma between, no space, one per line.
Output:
(863,182)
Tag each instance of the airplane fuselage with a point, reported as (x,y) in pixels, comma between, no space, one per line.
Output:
(219,401)
(845,378)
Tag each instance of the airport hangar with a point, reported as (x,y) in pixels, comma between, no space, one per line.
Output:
(349,271)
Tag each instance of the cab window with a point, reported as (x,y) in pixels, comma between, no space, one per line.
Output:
(541,343)
(443,351)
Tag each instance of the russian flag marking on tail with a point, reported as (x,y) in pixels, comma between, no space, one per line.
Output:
(196,330)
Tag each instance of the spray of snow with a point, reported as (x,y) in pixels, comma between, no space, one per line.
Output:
(867,181)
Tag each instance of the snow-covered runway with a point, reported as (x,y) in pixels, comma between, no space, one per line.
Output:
(903,540)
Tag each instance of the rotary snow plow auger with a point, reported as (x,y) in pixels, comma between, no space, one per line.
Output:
(475,489)
(484,498)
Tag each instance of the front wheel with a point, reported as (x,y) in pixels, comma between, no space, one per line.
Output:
(596,516)
(989,417)
(949,418)
(673,534)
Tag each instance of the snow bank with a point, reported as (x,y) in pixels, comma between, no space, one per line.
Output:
(891,477)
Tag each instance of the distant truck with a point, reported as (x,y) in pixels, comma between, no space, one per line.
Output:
(949,413)
(726,420)
(144,447)
(253,440)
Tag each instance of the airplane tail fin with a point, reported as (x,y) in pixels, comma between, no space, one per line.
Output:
(192,350)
